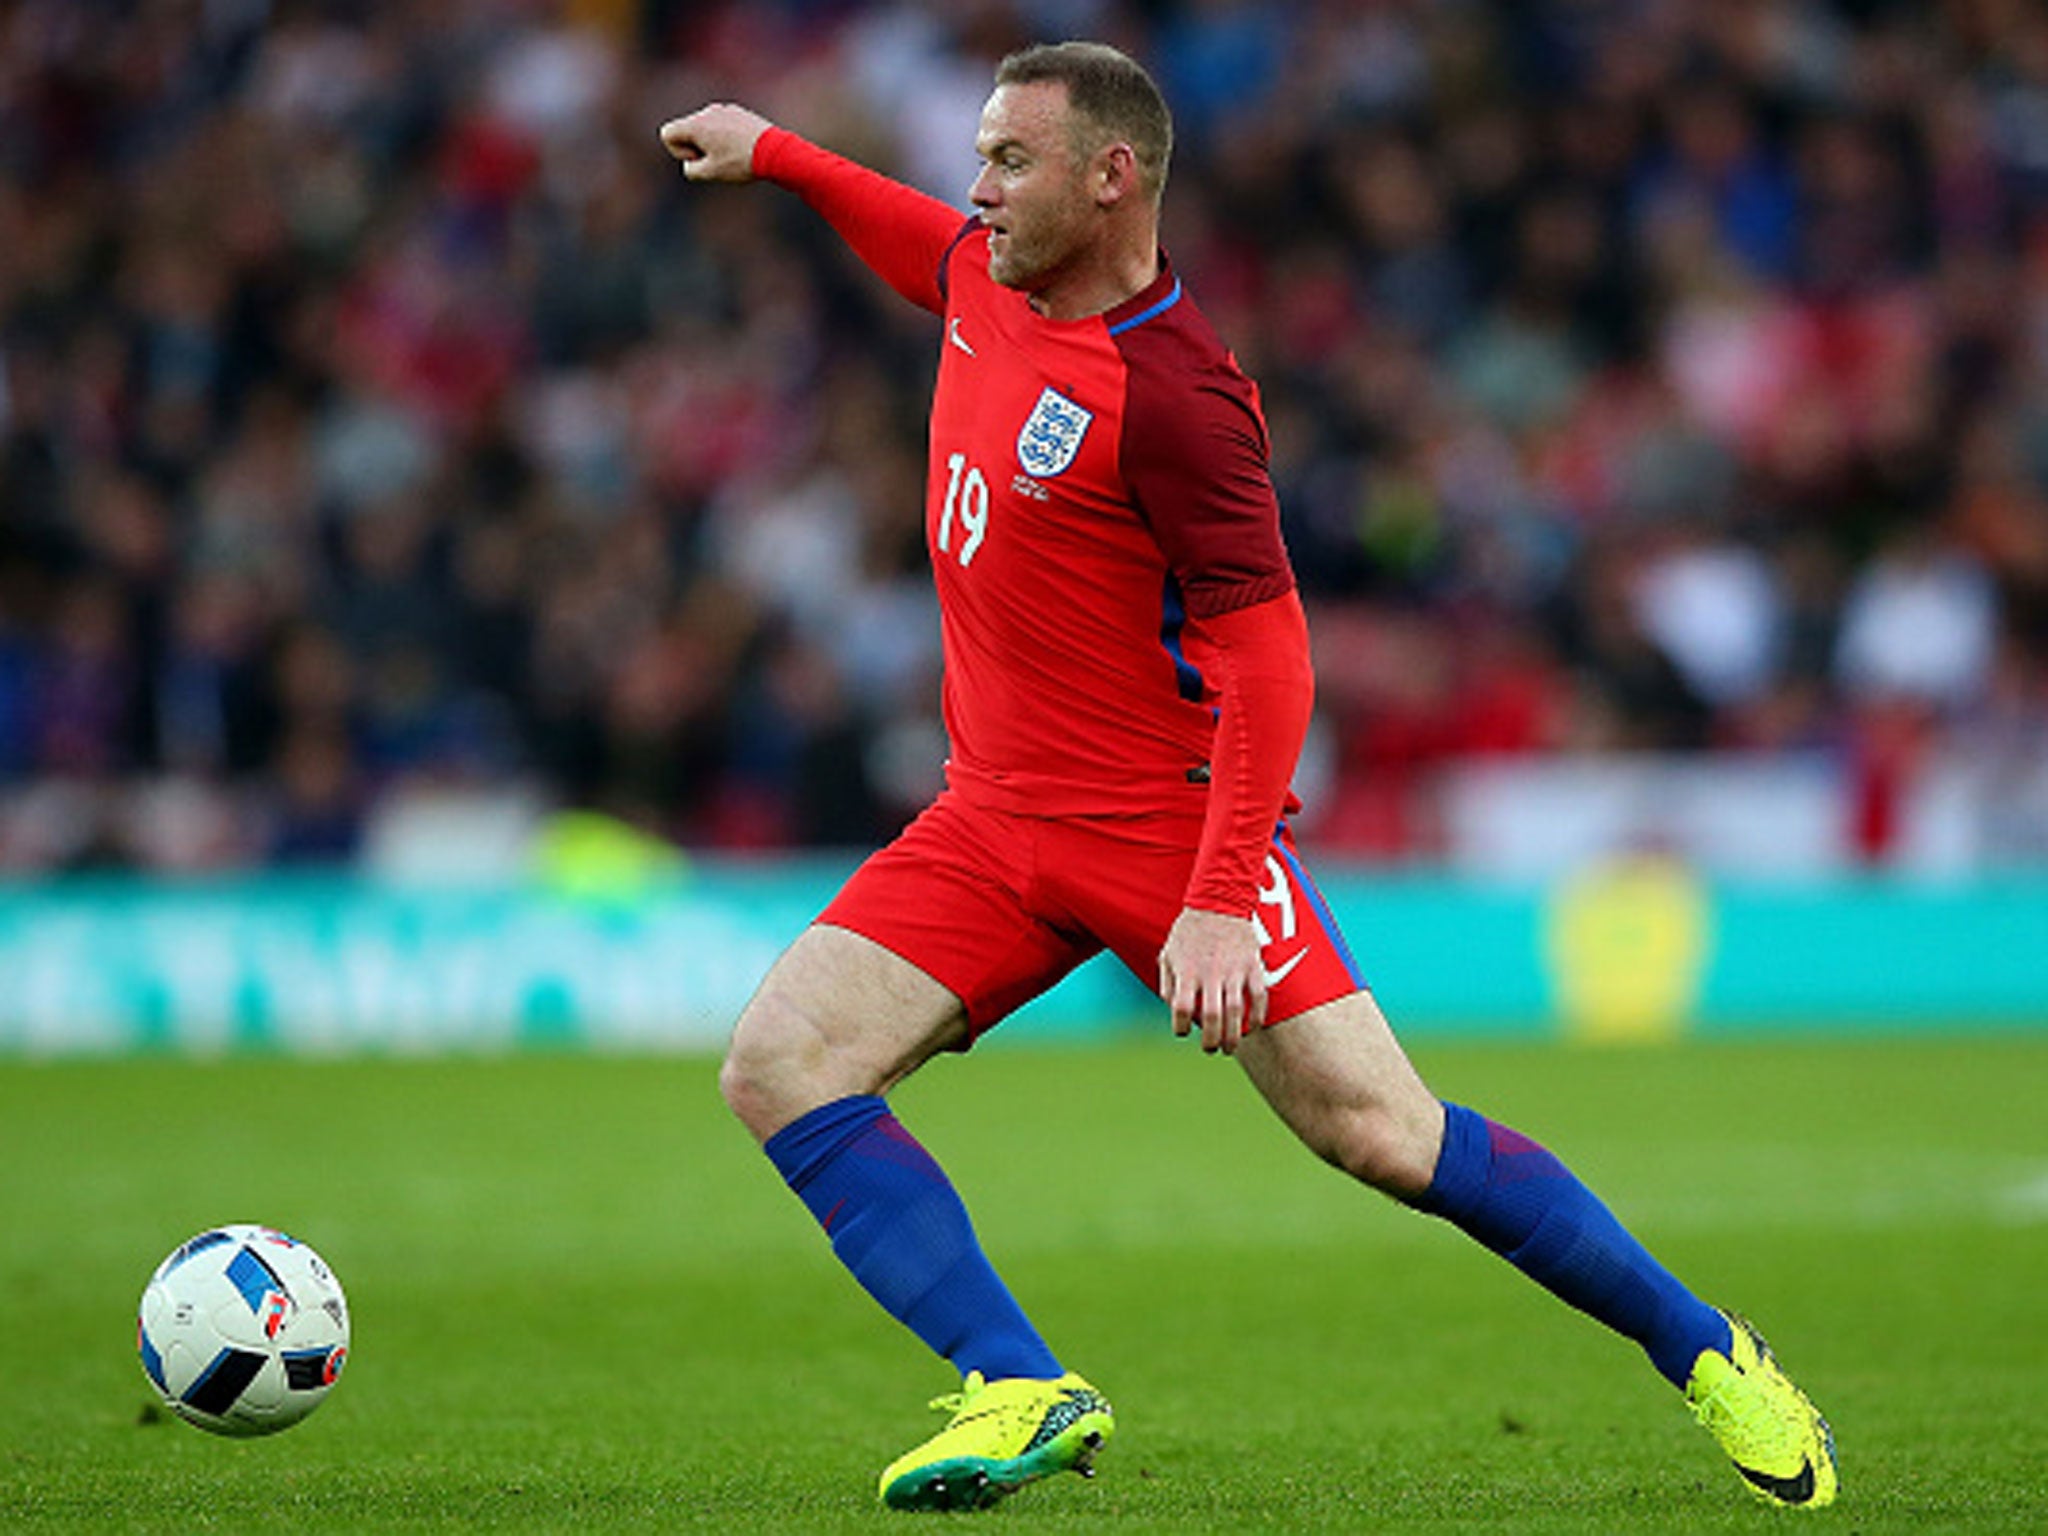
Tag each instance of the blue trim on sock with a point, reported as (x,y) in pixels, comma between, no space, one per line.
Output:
(1517,1199)
(899,1227)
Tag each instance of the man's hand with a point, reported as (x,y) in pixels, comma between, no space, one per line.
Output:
(715,143)
(1210,972)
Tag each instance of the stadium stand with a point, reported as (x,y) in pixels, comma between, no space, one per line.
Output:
(378,409)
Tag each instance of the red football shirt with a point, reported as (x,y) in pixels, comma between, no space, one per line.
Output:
(1120,626)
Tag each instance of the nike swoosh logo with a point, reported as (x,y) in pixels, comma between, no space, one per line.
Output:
(953,335)
(1786,1490)
(1274,978)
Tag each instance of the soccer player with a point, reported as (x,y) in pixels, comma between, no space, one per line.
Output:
(1126,691)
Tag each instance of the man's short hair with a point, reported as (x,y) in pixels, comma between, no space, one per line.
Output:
(1112,98)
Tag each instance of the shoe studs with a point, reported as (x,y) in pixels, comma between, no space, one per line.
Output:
(1090,1444)
(970,1493)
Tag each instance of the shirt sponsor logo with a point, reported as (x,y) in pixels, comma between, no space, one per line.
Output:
(1052,435)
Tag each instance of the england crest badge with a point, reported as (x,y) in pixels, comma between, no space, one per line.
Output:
(1052,435)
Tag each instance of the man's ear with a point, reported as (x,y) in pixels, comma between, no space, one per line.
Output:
(1116,175)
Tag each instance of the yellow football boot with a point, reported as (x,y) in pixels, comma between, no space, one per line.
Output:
(1770,1429)
(1003,1434)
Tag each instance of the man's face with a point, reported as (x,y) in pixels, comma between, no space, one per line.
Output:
(1031,193)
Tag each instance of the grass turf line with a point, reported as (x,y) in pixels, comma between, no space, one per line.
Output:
(582,1299)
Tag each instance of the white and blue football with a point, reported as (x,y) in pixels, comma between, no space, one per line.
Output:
(243,1330)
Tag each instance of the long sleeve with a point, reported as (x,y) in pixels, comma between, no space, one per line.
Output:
(1194,453)
(900,232)
(1266,693)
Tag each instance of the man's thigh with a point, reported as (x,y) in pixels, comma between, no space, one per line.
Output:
(1341,1081)
(836,1014)
(954,898)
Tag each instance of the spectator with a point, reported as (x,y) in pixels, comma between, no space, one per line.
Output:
(371,408)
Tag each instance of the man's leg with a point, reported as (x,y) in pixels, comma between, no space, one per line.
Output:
(1339,1077)
(837,1022)
(1341,1081)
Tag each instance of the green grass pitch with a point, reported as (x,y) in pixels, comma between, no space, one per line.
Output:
(583,1302)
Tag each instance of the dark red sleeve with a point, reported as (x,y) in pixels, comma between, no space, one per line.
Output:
(900,232)
(1194,455)
(1259,658)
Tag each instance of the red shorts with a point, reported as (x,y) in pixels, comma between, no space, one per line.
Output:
(998,907)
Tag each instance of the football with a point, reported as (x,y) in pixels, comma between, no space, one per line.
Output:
(243,1330)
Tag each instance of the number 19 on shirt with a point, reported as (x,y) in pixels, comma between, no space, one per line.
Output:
(967,495)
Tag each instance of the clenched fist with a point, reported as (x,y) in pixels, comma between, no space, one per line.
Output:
(715,143)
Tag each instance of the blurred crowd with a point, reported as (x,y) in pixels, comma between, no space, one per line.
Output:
(379,409)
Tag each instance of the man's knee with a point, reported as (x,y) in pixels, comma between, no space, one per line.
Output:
(1341,1081)
(1394,1149)
(764,1079)
(837,1015)
(742,1086)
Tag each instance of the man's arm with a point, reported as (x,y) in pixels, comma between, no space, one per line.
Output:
(1265,696)
(901,233)
(1210,969)
(1194,453)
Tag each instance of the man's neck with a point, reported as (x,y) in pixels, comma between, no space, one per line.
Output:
(1102,286)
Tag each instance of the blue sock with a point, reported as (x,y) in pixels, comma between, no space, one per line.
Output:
(897,1224)
(1510,1194)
